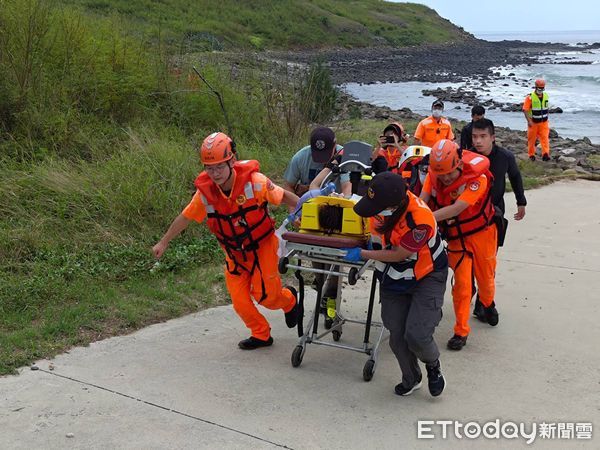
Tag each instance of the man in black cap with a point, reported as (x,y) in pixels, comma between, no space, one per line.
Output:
(412,268)
(309,161)
(305,165)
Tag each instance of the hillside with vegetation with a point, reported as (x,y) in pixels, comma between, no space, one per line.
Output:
(100,119)
(281,24)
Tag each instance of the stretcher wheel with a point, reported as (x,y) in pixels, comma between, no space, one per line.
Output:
(283,262)
(297,355)
(369,370)
(337,334)
(352,276)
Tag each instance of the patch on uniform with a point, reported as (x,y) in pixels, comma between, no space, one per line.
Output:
(416,238)
(241,199)
(474,186)
(419,234)
(270,185)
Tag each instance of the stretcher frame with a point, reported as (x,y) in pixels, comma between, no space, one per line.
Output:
(332,257)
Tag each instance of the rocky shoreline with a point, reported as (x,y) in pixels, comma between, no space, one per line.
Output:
(457,62)
(570,157)
(431,63)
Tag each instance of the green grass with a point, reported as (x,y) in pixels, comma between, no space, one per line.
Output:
(87,310)
(280,24)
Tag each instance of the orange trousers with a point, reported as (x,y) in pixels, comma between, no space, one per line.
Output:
(479,260)
(245,287)
(539,131)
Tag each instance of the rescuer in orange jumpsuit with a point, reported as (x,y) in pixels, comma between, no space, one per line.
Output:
(535,108)
(233,196)
(458,191)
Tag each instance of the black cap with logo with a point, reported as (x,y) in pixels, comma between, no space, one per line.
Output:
(386,190)
(322,144)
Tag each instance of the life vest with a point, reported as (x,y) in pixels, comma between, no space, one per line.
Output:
(238,221)
(392,156)
(539,107)
(403,275)
(474,218)
(410,172)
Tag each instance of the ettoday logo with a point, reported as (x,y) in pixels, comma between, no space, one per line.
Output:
(495,429)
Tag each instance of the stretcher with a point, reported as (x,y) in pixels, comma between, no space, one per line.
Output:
(312,245)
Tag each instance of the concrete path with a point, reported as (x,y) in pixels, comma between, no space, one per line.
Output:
(184,383)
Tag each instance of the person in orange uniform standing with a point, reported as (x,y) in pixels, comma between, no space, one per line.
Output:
(458,190)
(535,108)
(434,127)
(233,197)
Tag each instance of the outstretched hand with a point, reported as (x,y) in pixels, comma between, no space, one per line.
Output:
(159,249)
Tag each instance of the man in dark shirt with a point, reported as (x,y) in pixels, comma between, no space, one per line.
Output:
(466,141)
(502,163)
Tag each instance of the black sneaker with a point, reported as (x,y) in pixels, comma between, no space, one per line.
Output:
(252,343)
(435,379)
(545,157)
(400,389)
(457,342)
(479,311)
(532,158)
(491,314)
(291,317)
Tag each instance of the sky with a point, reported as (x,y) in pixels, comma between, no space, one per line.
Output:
(518,15)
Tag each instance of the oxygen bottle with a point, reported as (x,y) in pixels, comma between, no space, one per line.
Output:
(325,190)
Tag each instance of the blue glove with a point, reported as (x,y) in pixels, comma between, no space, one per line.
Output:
(352,254)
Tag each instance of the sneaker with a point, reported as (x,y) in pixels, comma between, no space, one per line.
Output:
(545,157)
(532,158)
(331,307)
(291,317)
(457,342)
(479,311)
(252,343)
(435,379)
(400,389)
(491,314)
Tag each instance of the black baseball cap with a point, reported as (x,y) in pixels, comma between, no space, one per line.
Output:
(322,144)
(387,189)
(438,102)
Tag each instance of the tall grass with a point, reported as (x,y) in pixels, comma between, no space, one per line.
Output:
(99,131)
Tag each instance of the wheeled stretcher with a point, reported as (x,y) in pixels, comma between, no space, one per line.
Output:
(313,245)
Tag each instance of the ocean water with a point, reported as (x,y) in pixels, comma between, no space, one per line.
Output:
(574,88)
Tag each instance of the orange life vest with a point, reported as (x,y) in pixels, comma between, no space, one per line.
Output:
(474,218)
(410,172)
(392,156)
(238,221)
(402,275)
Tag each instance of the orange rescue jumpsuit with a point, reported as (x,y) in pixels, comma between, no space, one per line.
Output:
(538,130)
(430,130)
(474,254)
(251,270)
